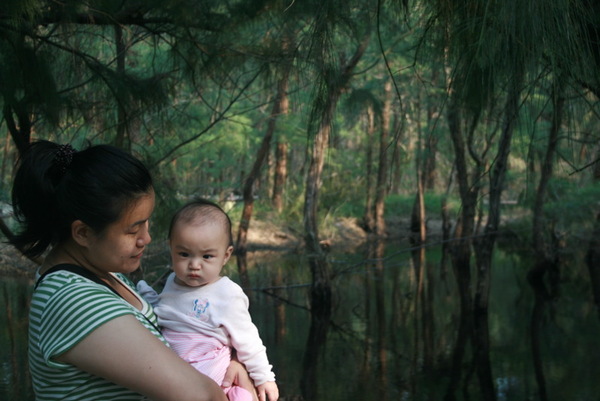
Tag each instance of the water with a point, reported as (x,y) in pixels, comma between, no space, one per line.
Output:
(392,331)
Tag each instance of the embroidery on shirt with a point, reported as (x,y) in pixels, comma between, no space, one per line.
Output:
(199,310)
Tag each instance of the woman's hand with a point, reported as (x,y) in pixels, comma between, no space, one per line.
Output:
(237,375)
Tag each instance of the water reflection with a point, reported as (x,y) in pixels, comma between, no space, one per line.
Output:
(394,329)
(14,371)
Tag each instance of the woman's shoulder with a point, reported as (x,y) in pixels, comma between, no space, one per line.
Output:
(58,280)
(67,290)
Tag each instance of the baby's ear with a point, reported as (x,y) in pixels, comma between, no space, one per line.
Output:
(228,253)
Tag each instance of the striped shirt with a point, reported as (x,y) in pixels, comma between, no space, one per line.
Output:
(65,308)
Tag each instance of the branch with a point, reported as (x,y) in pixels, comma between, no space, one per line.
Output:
(209,126)
(134,15)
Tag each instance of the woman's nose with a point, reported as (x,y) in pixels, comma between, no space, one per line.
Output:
(144,240)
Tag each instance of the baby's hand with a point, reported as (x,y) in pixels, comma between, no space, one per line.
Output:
(268,389)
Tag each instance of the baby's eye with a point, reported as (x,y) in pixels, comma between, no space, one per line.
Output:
(183,254)
(208,256)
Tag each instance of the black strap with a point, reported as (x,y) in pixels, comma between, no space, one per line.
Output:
(77,270)
(87,274)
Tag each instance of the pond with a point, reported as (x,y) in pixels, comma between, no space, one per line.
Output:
(392,331)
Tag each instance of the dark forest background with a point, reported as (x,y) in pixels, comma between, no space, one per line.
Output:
(306,111)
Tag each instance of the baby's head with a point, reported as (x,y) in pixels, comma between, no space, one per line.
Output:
(202,211)
(201,242)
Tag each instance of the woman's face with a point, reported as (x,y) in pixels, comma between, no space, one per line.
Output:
(120,247)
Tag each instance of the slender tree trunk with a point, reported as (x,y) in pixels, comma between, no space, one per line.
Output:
(593,263)
(248,191)
(461,247)
(321,287)
(5,159)
(381,187)
(446,225)
(280,175)
(485,245)
(597,165)
(429,168)
(546,259)
(381,317)
(418,217)
(417,224)
(122,127)
(540,244)
(395,165)
(261,156)
(593,253)
(368,220)
(280,306)
(431,141)
(317,338)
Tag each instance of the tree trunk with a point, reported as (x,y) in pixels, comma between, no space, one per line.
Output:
(368,220)
(381,187)
(320,320)
(121,51)
(280,176)
(417,224)
(469,185)
(248,191)
(321,287)
(540,244)
(418,217)
(429,158)
(485,246)
(593,263)
(461,247)
(381,318)
(6,160)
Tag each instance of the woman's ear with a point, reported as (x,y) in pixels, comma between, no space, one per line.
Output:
(81,233)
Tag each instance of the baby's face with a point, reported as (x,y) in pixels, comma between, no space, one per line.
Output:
(198,253)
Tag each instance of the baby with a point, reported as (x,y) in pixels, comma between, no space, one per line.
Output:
(204,315)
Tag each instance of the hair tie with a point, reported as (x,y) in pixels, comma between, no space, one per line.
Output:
(64,157)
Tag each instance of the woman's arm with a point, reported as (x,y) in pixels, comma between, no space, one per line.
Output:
(123,351)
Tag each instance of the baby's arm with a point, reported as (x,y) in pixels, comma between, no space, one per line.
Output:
(147,292)
(246,341)
(268,389)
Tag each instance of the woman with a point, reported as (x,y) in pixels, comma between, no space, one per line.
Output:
(91,336)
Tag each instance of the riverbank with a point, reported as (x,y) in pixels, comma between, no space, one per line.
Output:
(344,233)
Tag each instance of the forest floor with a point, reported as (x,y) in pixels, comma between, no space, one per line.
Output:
(344,233)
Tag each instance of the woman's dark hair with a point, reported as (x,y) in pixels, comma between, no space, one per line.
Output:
(55,185)
(202,211)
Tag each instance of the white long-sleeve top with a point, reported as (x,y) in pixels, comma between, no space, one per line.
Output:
(218,310)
